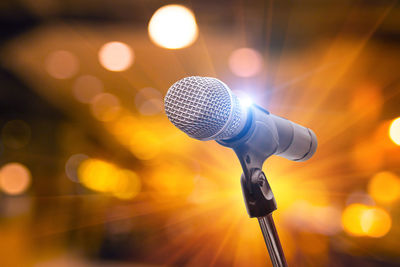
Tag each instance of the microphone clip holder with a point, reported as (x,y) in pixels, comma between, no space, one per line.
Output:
(257,194)
(252,149)
(259,199)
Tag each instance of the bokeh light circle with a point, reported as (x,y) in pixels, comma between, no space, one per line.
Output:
(105,107)
(173,27)
(376,222)
(116,56)
(127,186)
(384,187)
(62,64)
(14,178)
(86,87)
(245,62)
(72,164)
(394,131)
(351,219)
(149,101)
(105,177)
(148,151)
(95,174)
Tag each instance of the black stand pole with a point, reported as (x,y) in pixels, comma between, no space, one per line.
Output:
(260,203)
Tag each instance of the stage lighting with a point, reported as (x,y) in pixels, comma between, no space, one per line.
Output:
(351,219)
(116,56)
(384,187)
(376,222)
(14,178)
(105,177)
(61,64)
(173,27)
(245,62)
(394,131)
(244,99)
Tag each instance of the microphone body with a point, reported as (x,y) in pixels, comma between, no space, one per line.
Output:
(206,109)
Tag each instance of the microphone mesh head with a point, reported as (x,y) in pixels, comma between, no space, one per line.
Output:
(204,108)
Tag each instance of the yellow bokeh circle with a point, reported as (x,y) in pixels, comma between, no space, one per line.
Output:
(394,131)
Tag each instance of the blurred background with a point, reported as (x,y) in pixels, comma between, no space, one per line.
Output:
(93,173)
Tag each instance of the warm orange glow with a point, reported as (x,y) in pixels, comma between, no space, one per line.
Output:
(145,144)
(368,155)
(284,189)
(394,131)
(173,27)
(359,220)
(97,175)
(149,101)
(106,177)
(86,87)
(14,178)
(171,179)
(376,222)
(128,185)
(314,218)
(319,243)
(351,219)
(245,62)
(204,190)
(105,107)
(384,187)
(367,97)
(62,64)
(146,193)
(116,56)
(123,128)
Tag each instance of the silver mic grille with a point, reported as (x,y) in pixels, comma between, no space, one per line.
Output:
(204,108)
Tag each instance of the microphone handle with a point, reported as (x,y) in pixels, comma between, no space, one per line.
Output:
(296,142)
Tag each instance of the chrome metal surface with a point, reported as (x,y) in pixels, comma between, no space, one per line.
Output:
(204,108)
(272,241)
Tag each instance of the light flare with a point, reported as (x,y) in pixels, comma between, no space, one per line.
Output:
(362,220)
(116,56)
(173,27)
(245,62)
(15,178)
(384,187)
(105,177)
(62,64)
(376,222)
(394,131)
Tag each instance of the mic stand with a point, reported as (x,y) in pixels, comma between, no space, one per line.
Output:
(260,203)
(257,142)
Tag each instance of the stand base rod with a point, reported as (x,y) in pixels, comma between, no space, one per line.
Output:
(272,241)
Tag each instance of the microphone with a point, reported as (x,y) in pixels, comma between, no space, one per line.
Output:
(206,109)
